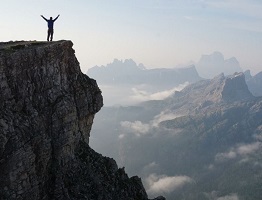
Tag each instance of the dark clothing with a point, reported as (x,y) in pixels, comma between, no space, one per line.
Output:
(50,32)
(50,24)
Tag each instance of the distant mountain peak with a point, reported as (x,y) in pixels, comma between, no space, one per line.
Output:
(217,55)
(215,63)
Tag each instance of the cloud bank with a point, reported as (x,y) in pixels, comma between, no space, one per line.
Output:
(239,150)
(142,95)
(161,184)
(136,127)
(229,197)
(139,128)
(164,116)
(214,196)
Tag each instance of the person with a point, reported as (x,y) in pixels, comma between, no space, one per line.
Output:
(50,23)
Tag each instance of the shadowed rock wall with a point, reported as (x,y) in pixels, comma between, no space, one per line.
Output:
(47,107)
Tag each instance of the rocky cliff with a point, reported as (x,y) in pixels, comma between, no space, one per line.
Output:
(47,107)
(219,90)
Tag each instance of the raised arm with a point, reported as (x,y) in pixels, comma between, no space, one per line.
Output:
(44,18)
(56,17)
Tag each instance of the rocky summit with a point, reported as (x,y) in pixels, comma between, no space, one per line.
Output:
(47,107)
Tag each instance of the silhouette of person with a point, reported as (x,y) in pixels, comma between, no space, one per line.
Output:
(50,23)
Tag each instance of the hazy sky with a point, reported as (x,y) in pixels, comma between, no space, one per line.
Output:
(157,33)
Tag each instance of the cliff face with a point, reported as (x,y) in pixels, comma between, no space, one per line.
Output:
(47,107)
(217,91)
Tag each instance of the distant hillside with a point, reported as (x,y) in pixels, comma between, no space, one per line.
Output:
(202,143)
(210,66)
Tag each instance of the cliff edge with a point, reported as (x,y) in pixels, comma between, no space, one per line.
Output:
(47,107)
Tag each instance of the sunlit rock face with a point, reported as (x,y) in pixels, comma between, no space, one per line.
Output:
(47,107)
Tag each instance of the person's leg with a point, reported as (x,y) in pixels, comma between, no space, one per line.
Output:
(51,32)
(48,34)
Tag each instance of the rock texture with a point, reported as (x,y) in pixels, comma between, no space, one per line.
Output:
(219,90)
(47,107)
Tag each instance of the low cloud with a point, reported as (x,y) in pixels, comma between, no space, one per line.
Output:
(248,148)
(214,196)
(126,95)
(165,184)
(226,156)
(142,95)
(139,128)
(121,136)
(136,127)
(164,116)
(229,197)
(238,150)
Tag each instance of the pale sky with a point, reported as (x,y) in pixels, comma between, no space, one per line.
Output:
(157,33)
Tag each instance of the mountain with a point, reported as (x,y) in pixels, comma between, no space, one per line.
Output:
(128,72)
(203,142)
(254,83)
(211,65)
(47,108)
(121,80)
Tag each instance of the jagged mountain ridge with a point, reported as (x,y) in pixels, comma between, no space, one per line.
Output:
(47,107)
(126,83)
(217,90)
(128,72)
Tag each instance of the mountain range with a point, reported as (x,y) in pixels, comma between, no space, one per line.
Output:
(127,72)
(128,83)
(203,142)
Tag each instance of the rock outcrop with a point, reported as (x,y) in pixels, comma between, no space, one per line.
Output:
(235,88)
(47,107)
(219,90)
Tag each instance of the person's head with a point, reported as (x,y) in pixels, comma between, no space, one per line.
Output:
(51,18)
